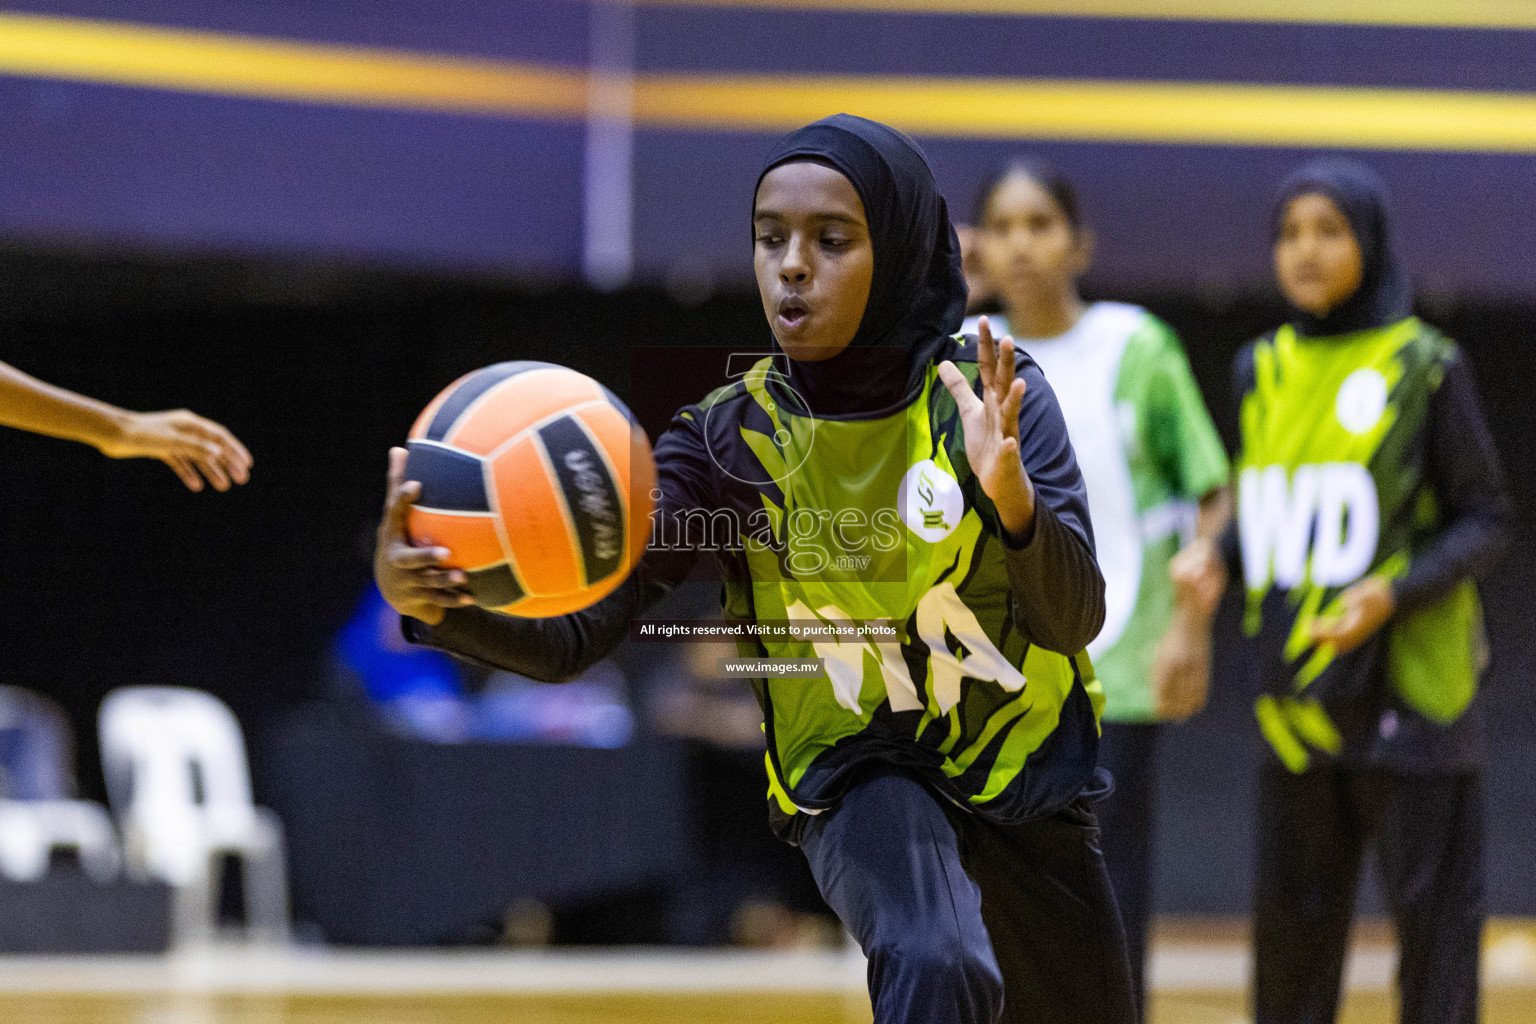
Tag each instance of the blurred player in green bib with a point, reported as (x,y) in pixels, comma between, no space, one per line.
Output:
(1154,468)
(1369,499)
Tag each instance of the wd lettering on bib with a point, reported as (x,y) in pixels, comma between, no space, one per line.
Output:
(1319,523)
(1333,485)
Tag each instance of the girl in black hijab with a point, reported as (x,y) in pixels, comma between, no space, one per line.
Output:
(939,779)
(1361,428)
(1382,295)
(916,298)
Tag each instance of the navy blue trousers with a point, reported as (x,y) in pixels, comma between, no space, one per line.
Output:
(1127,817)
(965,922)
(1314,831)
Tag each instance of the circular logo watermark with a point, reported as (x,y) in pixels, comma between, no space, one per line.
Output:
(929,501)
(1361,400)
(793,404)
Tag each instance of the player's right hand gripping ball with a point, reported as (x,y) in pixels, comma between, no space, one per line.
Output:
(538,481)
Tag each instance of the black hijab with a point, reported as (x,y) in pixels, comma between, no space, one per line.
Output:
(1385,295)
(917,294)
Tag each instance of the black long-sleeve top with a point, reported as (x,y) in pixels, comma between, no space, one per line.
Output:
(1055,581)
(1462,466)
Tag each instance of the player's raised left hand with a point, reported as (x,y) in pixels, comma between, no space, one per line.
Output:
(991,425)
(194,447)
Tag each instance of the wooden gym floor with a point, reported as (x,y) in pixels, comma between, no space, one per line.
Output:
(1199,974)
(1500,1007)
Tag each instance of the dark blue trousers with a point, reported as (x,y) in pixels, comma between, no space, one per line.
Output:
(1314,831)
(965,922)
(1127,817)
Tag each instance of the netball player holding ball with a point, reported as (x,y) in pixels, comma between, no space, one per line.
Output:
(941,784)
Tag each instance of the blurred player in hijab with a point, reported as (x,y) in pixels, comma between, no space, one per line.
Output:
(1370,498)
(1154,468)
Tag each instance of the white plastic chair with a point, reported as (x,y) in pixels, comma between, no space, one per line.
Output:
(38,812)
(179,783)
(31,830)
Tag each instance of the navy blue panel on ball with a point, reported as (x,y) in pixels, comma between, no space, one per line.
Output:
(495,587)
(475,385)
(450,480)
(613,400)
(590,495)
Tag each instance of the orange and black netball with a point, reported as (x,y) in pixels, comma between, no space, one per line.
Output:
(538,481)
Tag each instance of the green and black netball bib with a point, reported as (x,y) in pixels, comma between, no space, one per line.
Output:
(1331,488)
(880,519)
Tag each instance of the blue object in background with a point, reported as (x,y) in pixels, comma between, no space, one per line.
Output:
(420,690)
(422,694)
(36,752)
(591,711)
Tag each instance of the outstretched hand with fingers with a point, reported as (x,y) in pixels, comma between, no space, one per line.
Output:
(194,447)
(991,425)
(412,579)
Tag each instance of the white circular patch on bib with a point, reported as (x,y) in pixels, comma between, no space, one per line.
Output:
(1361,400)
(929,501)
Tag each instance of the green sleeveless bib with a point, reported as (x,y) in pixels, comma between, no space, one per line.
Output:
(1331,488)
(881,520)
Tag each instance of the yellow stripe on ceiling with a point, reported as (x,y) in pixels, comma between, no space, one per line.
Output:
(237,65)
(1105,111)
(1508,14)
(1242,115)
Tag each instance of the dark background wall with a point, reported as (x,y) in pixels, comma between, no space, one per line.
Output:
(445,185)
(115,575)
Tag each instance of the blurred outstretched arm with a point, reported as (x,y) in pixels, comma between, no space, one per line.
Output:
(194,447)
